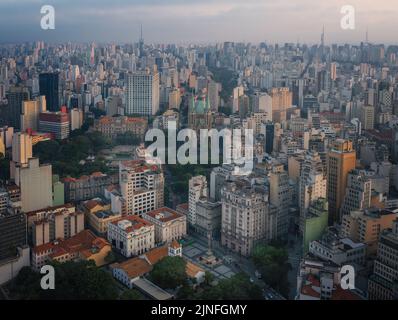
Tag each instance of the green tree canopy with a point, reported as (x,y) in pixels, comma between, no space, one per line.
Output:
(73,280)
(169,273)
(237,287)
(273,264)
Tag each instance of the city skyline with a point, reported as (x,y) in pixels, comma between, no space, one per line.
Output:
(193,22)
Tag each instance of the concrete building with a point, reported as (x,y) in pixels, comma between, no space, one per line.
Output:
(341,251)
(169,225)
(76,119)
(341,159)
(35,183)
(6,135)
(321,280)
(98,215)
(142,93)
(367,117)
(56,123)
(208,218)
(244,216)
(218,176)
(312,184)
(82,246)
(88,187)
(366,225)
(9,268)
(383,283)
(280,197)
(12,234)
(111,127)
(52,223)
(197,190)
(131,235)
(30,113)
(141,186)
(358,192)
(316,222)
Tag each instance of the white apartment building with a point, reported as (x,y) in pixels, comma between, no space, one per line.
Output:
(142,93)
(141,186)
(169,225)
(131,235)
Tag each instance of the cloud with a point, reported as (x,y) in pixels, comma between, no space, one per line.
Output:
(197,21)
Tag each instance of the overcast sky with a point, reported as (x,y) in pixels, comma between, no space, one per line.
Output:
(182,21)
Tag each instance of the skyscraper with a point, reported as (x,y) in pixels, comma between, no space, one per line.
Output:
(15,96)
(12,233)
(30,113)
(358,192)
(341,159)
(35,182)
(280,197)
(312,184)
(142,93)
(50,87)
(197,189)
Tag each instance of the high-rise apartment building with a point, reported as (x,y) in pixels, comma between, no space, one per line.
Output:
(245,219)
(142,93)
(312,184)
(30,113)
(280,197)
(358,192)
(367,117)
(282,99)
(197,189)
(21,151)
(383,283)
(141,186)
(35,182)
(341,159)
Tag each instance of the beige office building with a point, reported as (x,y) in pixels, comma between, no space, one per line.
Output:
(35,182)
(341,159)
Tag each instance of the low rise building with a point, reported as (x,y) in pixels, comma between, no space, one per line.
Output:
(366,225)
(169,225)
(337,250)
(98,215)
(131,235)
(88,187)
(83,246)
(49,224)
(111,127)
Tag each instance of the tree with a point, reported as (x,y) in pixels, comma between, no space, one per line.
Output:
(238,287)
(273,264)
(209,278)
(131,294)
(186,292)
(169,273)
(80,280)
(110,257)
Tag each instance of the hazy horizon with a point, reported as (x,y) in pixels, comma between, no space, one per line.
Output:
(201,22)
